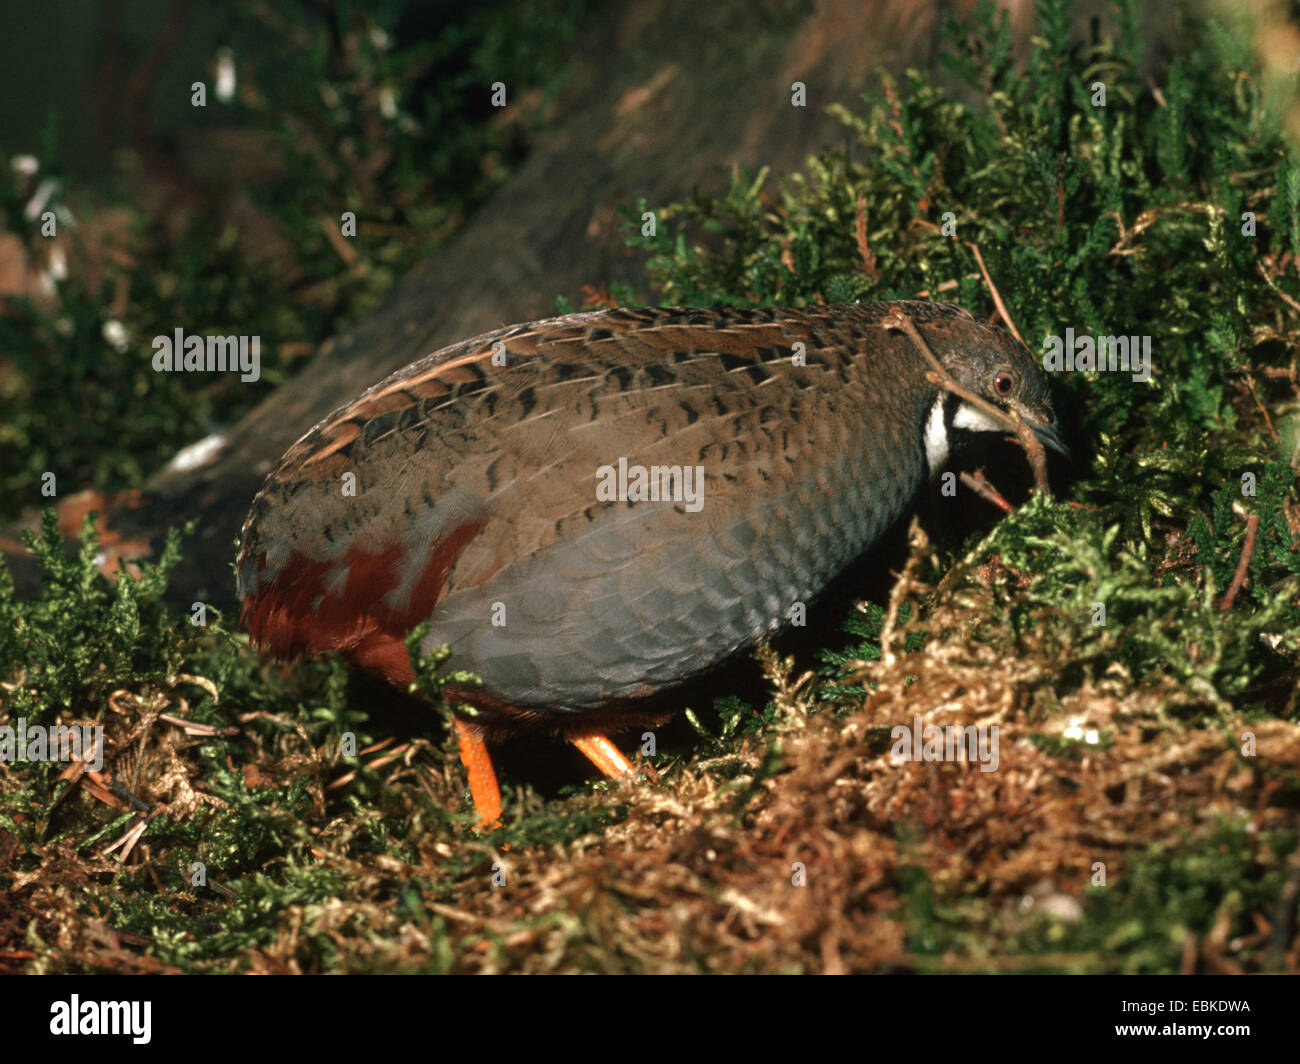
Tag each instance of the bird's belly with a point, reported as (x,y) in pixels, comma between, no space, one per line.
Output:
(652,595)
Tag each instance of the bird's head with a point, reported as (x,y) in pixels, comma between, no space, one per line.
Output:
(1004,374)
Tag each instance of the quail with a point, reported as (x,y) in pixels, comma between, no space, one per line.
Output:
(592,508)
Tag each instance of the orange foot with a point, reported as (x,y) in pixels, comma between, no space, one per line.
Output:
(483,786)
(603,754)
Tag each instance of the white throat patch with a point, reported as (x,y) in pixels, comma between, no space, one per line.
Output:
(936,437)
(967,417)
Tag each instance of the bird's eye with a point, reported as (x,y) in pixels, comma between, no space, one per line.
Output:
(1004,383)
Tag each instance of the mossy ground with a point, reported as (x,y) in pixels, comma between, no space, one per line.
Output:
(1145,814)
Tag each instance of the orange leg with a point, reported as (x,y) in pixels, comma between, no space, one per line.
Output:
(603,754)
(482,777)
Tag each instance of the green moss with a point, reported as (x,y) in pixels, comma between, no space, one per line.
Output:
(1139,922)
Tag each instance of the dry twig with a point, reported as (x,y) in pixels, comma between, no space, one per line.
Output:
(986,491)
(1243,563)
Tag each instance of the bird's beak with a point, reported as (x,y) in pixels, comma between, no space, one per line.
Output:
(1048,435)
